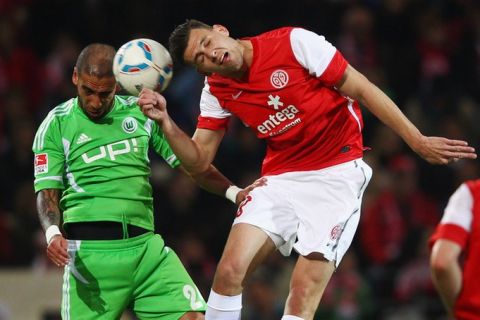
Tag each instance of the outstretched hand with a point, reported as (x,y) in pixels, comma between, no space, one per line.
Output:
(242,195)
(439,150)
(153,105)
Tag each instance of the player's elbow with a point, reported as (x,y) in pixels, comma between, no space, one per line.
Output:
(441,265)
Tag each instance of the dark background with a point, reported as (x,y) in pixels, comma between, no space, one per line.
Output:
(424,54)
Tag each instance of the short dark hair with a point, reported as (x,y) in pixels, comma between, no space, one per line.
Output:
(96,60)
(178,40)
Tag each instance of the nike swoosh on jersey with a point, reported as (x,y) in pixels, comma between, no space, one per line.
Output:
(235,96)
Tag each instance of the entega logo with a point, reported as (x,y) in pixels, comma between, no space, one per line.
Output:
(278,118)
(129,125)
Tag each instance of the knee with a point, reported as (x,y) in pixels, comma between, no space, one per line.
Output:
(230,272)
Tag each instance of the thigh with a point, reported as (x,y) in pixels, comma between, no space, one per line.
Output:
(327,203)
(163,288)
(96,284)
(269,208)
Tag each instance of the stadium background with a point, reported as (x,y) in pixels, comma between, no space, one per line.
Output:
(424,54)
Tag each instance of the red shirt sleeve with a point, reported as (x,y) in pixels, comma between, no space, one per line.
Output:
(451,232)
(212,123)
(335,70)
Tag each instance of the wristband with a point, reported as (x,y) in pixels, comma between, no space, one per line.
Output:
(51,232)
(231,193)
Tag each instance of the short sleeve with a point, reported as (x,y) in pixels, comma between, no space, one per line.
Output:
(49,156)
(459,208)
(318,56)
(212,115)
(457,218)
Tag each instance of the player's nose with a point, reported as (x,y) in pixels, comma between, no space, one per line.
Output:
(95,102)
(213,55)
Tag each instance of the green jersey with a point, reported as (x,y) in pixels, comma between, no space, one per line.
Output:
(103,166)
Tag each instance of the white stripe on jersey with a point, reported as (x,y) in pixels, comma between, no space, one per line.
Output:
(70,177)
(61,110)
(72,182)
(148,126)
(459,208)
(312,51)
(129,101)
(66,147)
(55,178)
(350,108)
(38,142)
(170,160)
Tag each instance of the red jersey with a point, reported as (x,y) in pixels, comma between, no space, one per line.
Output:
(288,98)
(461,224)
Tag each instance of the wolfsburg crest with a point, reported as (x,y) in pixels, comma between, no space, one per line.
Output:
(129,125)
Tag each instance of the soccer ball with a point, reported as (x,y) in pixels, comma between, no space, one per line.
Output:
(142,63)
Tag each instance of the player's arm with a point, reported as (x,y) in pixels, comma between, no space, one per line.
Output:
(215,182)
(437,150)
(50,216)
(197,153)
(446,271)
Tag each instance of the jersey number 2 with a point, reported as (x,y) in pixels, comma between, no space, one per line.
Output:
(191,294)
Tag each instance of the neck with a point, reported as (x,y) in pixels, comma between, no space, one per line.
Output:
(247,54)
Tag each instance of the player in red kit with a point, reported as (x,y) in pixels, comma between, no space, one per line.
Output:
(454,258)
(296,91)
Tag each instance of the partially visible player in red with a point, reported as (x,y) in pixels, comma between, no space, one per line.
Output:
(455,256)
(296,91)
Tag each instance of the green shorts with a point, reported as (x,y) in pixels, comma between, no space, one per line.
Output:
(106,277)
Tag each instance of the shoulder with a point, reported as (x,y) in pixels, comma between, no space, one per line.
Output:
(61,111)
(53,122)
(129,105)
(274,34)
(473,185)
(126,102)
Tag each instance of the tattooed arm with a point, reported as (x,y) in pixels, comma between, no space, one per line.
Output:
(50,217)
(47,207)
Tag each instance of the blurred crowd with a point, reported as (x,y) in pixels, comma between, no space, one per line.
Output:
(424,54)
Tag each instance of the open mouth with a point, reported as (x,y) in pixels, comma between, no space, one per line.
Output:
(224,57)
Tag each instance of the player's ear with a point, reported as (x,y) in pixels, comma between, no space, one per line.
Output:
(75,76)
(222,29)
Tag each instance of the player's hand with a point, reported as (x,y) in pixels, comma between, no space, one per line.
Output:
(242,195)
(438,150)
(57,251)
(153,105)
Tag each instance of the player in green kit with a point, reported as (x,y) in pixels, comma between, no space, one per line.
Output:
(92,173)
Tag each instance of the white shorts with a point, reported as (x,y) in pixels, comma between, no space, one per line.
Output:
(311,211)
